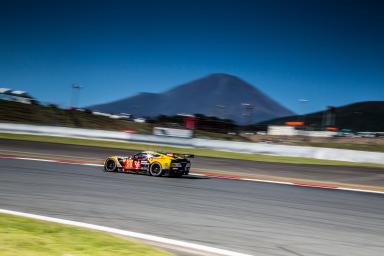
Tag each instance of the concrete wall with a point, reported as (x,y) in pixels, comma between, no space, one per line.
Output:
(180,133)
(243,147)
(282,130)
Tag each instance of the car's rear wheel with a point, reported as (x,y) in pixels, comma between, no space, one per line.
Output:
(110,166)
(156,170)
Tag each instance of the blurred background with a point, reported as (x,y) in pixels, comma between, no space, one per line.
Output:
(291,72)
(214,107)
(281,103)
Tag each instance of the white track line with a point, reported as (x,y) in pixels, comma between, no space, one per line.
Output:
(152,238)
(299,184)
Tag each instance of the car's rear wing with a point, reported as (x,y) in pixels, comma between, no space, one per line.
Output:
(180,155)
(188,155)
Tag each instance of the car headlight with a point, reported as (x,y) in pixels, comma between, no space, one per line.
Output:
(176,165)
(188,165)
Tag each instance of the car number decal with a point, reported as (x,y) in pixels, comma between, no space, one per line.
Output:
(137,164)
(128,164)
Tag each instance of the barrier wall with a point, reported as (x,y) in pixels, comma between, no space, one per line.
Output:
(243,147)
(171,132)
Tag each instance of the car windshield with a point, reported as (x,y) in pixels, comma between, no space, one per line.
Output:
(140,155)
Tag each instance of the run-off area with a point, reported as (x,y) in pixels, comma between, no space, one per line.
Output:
(249,217)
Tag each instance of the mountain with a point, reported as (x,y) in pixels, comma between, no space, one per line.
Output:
(220,95)
(360,116)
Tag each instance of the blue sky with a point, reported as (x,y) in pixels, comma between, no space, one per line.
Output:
(329,52)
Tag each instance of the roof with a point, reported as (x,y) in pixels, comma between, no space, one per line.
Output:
(20,94)
(5,90)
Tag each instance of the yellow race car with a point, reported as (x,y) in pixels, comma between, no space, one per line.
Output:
(150,162)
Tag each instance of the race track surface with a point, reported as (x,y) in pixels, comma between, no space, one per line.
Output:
(249,217)
(342,174)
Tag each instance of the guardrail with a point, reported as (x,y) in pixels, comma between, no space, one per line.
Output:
(243,147)
(171,132)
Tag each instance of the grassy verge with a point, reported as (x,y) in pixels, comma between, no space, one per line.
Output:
(15,112)
(196,151)
(24,236)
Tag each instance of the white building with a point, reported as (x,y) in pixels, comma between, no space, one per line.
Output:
(16,95)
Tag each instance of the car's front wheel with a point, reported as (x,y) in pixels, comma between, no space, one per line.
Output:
(110,166)
(156,170)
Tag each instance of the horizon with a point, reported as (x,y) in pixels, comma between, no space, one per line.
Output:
(232,75)
(327,52)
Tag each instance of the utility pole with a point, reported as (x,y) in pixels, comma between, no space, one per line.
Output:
(303,102)
(220,111)
(75,95)
(248,109)
(329,116)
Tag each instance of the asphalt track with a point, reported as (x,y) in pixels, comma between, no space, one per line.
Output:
(249,217)
(343,174)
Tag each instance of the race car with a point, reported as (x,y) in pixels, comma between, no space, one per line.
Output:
(151,163)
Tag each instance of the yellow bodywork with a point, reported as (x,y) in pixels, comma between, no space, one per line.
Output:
(130,163)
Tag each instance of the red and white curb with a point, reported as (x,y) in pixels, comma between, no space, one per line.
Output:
(151,238)
(298,184)
(211,175)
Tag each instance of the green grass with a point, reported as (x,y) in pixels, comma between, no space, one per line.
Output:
(196,151)
(24,236)
(15,112)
